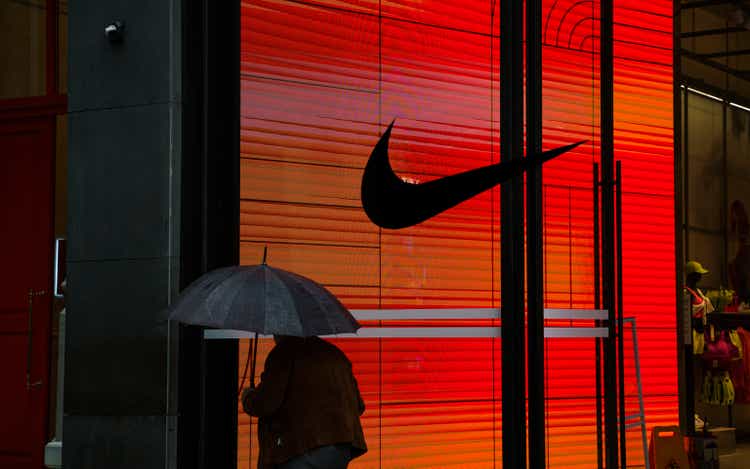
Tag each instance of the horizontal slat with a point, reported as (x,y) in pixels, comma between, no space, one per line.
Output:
(466,313)
(426,332)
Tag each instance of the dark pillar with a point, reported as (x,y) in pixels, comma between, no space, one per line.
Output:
(535,240)
(123,223)
(686,389)
(153,183)
(511,234)
(608,234)
(207,433)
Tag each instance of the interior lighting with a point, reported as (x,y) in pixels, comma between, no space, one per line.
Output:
(710,96)
(740,107)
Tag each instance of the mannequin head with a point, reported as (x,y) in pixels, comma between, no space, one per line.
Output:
(693,279)
(694,271)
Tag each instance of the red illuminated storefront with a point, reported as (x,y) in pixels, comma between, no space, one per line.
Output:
(321,80)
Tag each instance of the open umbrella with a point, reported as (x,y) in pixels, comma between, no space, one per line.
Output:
(262,299)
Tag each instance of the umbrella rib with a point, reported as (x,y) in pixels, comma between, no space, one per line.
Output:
(304,285)
(215,291)
(282,281)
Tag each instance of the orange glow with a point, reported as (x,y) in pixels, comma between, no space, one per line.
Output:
(320,79)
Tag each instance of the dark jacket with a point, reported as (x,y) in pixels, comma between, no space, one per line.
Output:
(307,398)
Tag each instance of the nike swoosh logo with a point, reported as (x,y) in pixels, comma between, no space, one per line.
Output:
(393,203)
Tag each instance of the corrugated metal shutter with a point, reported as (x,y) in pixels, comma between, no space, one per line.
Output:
(321,79)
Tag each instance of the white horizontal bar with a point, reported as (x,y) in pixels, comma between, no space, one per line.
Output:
(426,332)
(466,313)
(703,93)
(425,314)
(423,332)
(575,332)
(739,106)
(550,313)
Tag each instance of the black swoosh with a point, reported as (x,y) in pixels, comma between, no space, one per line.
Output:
(393,203)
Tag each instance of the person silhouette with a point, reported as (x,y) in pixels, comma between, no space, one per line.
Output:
(308,404)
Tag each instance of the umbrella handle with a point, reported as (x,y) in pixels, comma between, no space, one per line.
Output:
(255,357)
(251,352)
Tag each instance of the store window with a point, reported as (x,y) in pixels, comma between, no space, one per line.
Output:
(321,80)
(23,48)
(716,172)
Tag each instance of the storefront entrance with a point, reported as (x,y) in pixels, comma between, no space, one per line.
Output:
(26,191)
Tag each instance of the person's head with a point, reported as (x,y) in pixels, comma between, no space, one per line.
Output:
(693,272)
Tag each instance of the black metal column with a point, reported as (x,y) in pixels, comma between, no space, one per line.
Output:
(534,237)
(208,370)
(597,305)
(608,238)
(620,319)
(512,234)
(684,346)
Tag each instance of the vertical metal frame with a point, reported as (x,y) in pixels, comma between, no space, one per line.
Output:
(534,238)
(608,235)
(207,394)
(684,348)
(724,212)
(597,305)
(512,237)
(620,322)
(52,72)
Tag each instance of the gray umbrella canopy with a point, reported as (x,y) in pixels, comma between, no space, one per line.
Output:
(262,299)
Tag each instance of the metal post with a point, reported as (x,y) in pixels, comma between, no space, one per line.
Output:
(684,313)
(641,411)
(684,348)
(534,243)
(620,324)
(597,305)
(724,216)
(512,234)
(608,248)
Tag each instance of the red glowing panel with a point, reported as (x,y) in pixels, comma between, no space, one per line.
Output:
(321,79)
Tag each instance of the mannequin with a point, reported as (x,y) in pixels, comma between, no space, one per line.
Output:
(701,305)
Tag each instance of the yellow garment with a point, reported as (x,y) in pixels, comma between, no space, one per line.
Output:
(699,343)
(717,395)
(718,389)
(727,390)
(734,337)
(707,392)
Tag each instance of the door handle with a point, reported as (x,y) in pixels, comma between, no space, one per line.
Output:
(30,331)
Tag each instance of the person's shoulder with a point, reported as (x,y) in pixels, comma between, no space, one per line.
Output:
(281,352)
(322,343)
(331,349)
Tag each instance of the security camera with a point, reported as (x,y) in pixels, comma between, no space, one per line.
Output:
(115,31)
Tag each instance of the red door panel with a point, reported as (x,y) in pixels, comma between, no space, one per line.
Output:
(26,196)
